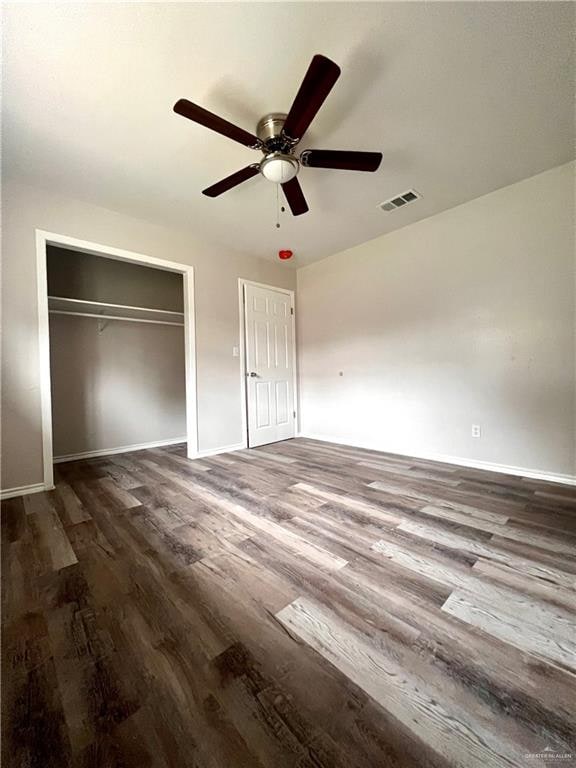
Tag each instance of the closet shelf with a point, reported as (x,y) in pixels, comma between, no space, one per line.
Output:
(61,305)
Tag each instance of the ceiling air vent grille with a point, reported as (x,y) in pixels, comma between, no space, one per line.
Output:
(400,200)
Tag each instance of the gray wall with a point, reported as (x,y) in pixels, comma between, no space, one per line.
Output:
(25,208)
(86,276)
(464,318)
(122,384)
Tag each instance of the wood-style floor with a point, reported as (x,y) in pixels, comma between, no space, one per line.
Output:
(304,605)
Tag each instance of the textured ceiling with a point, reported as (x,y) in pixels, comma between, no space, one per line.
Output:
(461,98)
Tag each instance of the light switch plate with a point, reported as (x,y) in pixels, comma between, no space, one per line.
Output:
(235,352)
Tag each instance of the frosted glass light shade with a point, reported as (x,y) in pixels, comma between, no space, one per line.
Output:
(279,168)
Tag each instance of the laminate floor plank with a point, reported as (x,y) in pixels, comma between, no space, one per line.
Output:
(541,695)
(52,538)
(301,605)
(532,563)
(13,520)
(502,575)
(513,627)
(452,498)
(504,600)
(454,733)
(69,506)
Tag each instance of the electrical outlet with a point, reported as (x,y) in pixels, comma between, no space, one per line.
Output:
(476,431)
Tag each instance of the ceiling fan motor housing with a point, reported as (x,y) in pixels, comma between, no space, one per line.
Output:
(279,165)
(269,131)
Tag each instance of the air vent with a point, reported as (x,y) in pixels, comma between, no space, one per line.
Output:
(400,200)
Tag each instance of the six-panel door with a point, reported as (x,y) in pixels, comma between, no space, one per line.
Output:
(269,365)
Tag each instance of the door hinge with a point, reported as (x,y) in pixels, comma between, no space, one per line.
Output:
(291,310)
(294,414)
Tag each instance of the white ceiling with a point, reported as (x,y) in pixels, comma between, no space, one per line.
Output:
(461,98)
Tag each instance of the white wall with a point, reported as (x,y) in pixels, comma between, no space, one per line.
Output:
(26,208)
(464,318)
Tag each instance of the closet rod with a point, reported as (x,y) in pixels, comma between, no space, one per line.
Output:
(113,317)
(115,306)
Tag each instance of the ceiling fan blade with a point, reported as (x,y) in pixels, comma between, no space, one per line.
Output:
(231,181)
(295,197)
(341,160)
(317,84)
(209,120)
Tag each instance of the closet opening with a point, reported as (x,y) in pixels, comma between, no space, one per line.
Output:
(117,351)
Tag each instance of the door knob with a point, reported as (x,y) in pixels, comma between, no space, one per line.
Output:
(253,374)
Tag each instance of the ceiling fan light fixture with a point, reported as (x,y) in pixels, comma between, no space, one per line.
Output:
(279,168)
(277,136)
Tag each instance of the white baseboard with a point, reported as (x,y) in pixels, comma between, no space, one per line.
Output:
(121,449)
(24,490)
(223,449)
(488,466)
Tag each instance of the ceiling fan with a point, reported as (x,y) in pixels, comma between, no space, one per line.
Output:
(277,136)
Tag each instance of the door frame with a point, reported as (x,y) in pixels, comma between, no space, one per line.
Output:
(43,239)
(242,351)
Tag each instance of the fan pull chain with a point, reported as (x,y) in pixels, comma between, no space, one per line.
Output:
(277,207)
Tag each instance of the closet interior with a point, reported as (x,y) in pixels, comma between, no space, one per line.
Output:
(117,359)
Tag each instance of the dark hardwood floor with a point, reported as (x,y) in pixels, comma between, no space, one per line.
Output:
(304,605)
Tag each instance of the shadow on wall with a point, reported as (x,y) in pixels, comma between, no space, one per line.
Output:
(21,405)
(115,383)
(120,386)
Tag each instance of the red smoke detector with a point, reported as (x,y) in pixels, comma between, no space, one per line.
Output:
(284,255)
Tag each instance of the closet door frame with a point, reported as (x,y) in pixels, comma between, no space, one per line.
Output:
(43,239)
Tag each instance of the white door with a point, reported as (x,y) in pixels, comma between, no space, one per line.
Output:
(269,365)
